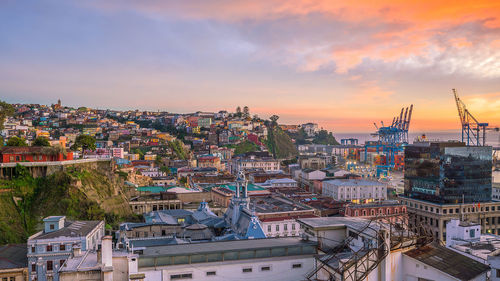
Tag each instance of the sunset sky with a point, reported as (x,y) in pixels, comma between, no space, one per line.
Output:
(342,64)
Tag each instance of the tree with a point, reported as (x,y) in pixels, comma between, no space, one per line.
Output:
(16,141)
(165,169)
(238,111)
(41,141)
(6,109)
(274,118)
(325,137)
(246,112)
(84,142)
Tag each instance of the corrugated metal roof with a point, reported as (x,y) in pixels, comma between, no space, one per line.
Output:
(448,261)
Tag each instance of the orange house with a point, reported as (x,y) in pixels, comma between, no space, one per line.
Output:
(12,154)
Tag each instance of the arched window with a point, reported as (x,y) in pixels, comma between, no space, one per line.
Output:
(356,213)
(372,212)
(364,213)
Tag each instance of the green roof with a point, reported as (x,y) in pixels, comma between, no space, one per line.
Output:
(250,187)
(152,189)
(157,189)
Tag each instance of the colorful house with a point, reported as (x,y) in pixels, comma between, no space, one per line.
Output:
(12,154)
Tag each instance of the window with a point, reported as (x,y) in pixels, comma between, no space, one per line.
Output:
(293,226)
(50,265)
(181,276)
(163,232)
(33,267)
(62,247)
(265,268)
(33,249)
(498,272)
(285,227)
(247,270)
(211,273)
(61,262)
(296,265)
(472,233)
(49,248)
(277,227)
(51,226)
(269,228)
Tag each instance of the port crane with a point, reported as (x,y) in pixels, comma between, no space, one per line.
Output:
(473,131)
(391,138)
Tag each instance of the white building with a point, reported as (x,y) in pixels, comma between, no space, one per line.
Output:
(466,238)
(152,172)
(104,264)
(281,227)
(266,164)
(310,128)
(284,182)
(355,190)
(495,191)
(370,251)
(277,259)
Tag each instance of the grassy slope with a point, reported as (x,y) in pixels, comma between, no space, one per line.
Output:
(78,194)
(280,144)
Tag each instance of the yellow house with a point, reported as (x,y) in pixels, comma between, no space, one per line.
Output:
(40,133)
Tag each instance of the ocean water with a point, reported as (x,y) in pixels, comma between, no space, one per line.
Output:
(492,138)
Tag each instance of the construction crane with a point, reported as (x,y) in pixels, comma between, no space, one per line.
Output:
(473,132)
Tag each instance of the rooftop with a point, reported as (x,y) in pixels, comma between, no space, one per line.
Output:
(70,229)
(487,245)
(13,256)
(88,261)
(350,182)
(387,203)
(354,223)
(447,261)
(225,246)
(272,204)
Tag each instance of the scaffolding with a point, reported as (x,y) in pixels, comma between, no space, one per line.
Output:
(392,232)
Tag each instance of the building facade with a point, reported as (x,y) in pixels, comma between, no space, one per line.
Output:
(50,248)
(436,216)
(448,172)
(354,190)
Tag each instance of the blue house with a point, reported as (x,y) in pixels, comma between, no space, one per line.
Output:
(50,248)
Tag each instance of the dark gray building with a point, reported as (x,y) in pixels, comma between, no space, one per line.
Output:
(448,172)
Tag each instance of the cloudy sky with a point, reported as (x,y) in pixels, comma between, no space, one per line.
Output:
(339,64)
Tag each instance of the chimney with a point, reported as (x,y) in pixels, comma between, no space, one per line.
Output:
(77,251)
(107,251)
